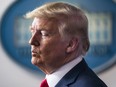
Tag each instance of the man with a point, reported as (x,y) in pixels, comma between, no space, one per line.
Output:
(58,44)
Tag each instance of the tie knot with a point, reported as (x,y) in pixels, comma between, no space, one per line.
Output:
(44,83)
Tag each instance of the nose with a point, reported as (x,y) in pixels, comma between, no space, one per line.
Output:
(34,40)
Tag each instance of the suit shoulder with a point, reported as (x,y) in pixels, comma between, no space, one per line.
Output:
(89,79)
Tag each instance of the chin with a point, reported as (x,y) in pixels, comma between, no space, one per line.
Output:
(35,61)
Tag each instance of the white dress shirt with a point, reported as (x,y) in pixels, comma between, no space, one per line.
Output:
(54,78)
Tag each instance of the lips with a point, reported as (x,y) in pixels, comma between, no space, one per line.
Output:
(34,53)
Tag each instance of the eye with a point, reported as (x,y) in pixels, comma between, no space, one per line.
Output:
(44,33)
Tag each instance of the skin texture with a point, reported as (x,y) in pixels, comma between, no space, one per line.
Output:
(59,35)
(49,50)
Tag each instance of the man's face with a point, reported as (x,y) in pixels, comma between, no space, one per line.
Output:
(47,46)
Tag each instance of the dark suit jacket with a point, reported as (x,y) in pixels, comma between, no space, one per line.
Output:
(81,76)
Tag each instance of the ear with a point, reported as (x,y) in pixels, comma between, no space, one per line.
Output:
(73,43)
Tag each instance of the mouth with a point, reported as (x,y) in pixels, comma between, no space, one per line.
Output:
(35,53)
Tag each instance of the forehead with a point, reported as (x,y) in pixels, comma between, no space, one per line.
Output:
(44,24)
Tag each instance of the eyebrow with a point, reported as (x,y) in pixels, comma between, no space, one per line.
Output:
(31,28)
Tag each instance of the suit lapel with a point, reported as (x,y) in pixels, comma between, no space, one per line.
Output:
(72,75)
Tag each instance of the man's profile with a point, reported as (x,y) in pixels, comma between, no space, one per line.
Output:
(59,43)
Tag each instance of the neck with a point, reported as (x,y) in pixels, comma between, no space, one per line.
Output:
(49,69)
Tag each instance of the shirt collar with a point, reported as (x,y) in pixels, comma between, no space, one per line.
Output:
(55,77)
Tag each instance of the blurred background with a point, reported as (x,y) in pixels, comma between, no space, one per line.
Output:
(14,74)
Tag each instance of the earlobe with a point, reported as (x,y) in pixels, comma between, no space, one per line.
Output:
(72,45)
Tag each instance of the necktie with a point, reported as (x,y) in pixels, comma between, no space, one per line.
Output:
(44,83)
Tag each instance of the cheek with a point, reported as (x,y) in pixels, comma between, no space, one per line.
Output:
(48,45)
(48,48)
(54,50)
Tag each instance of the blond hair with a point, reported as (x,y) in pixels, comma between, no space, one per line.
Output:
(71,20)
